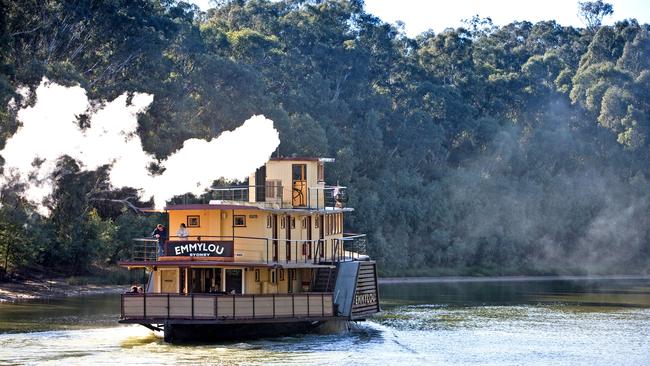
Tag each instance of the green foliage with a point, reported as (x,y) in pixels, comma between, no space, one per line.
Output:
(486,150)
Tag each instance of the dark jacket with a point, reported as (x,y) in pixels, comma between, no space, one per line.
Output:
(162,233)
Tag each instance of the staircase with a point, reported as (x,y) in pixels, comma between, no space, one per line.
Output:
(325,280)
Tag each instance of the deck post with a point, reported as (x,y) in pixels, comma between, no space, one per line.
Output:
(253,306)
(308,305)
(233,307)
(192,306)
(168,305)
(216,303)
(144,303)
(273,305)
(322,304)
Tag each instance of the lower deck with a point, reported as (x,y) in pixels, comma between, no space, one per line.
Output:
(223,309)
(254,295)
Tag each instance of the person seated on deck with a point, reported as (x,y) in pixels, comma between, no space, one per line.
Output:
(140,290)
(182,232)
(134,290)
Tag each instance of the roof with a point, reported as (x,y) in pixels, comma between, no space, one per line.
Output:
(294,158)
(205,206)
(189,262)
(302,158)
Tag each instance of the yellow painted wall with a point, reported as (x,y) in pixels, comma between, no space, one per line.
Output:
(219,223)
(210,222)
(281,170)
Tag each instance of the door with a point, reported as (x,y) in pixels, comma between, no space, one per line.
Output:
(321,235)
(299,185)
(234,281)
(274,244)
(288,242)
(169,281)
(309,237)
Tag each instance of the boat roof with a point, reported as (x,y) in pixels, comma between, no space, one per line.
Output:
(206,206)
(302,158)
(188,262)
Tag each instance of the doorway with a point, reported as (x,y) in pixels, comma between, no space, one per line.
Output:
(204,280)
(287,246)
(274,245)
(299,185)
(234,281)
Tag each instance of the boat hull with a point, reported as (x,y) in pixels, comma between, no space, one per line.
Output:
(183,333)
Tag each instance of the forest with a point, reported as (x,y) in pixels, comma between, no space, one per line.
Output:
(481,150)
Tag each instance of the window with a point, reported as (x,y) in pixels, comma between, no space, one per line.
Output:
(330,224)
(292,274)
(304,222)
(338,223)
(273,279)
(317,221)
(257,275)
(239,220)
(193,221)
(269,221)
(281,274)
(321,172)
(273,188)
(293,222)
(283,222)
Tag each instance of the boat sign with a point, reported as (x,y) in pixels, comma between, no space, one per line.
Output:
(203,248)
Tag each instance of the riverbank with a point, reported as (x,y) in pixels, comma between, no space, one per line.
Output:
(51,288)
(451,279)
(61,287)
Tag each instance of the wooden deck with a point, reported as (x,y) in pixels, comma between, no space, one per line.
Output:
(213,308)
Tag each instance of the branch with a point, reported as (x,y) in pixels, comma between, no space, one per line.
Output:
(122,201)
(24,32)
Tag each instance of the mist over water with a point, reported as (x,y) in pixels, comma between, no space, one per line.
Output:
(544,198)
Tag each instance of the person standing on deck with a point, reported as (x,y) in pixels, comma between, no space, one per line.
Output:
(161,234)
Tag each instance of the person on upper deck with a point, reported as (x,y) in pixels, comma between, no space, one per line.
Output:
(182,232)
(161,234)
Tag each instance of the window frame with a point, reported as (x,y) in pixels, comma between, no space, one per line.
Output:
(191,217)
(234,219)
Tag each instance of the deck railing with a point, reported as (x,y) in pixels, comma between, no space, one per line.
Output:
(270,193)
(317,197)
(350,247)
(281,251)
(158,307)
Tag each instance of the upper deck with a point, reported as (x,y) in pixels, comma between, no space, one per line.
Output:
(286,183)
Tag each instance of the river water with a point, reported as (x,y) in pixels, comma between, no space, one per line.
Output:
(578,322)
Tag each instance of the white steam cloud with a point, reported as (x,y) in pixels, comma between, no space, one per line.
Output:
(50,130)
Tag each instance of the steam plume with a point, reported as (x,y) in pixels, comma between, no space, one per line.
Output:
(50,130)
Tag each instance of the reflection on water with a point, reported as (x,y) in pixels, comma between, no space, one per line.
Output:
(505,323)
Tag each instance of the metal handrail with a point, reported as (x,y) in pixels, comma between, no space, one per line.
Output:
(242,193)
(329,200)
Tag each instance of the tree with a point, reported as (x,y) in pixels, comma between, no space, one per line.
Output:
(593,12)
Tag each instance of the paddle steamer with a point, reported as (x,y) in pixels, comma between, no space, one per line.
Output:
(267,259)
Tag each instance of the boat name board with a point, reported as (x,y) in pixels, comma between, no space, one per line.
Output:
(203,248)
(365,299)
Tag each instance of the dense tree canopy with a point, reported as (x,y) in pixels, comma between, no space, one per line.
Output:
(477,150)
